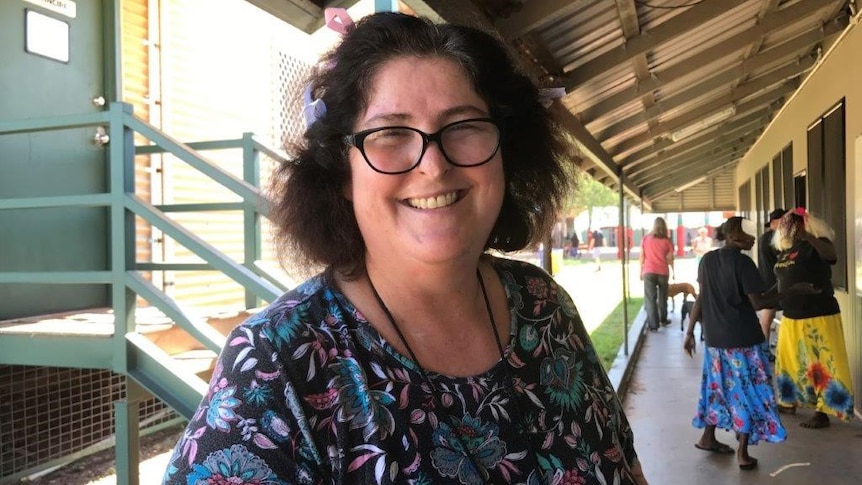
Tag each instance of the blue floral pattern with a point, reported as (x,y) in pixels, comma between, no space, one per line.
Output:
(736,393)
(308,392)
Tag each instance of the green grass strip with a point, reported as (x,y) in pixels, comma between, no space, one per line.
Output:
(608,337)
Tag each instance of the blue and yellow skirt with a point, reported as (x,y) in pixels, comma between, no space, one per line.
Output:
(811,366)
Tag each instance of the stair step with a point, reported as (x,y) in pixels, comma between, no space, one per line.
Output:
(174,340)
(196,361)
(87,322)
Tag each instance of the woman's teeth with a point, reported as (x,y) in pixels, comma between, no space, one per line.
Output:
(434,202)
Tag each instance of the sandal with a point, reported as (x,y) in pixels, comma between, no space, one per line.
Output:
(819,420)
(786,409)
(751,465)
(716,447)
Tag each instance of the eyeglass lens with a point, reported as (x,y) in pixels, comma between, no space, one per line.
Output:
(399,149)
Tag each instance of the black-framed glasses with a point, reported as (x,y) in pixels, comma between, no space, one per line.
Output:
(398,149)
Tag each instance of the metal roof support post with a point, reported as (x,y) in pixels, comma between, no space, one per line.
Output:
(253,250)
(385,5)
(624,255)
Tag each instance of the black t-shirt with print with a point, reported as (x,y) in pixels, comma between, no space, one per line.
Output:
(726,278)
(767,256)
(803,263)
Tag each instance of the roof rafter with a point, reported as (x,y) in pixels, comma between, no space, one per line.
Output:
(691,163)
(728,136)
(677,71)
(710,170)
(533,14)
(709,85)
(717,104)
(668,148)
(646,41)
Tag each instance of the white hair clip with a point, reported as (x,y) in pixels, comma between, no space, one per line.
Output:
(548,95)
(313,109)
(339,21)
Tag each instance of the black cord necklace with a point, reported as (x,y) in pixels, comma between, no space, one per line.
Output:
(435,394)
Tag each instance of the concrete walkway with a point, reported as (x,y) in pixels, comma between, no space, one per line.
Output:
(661,385)
(660,404)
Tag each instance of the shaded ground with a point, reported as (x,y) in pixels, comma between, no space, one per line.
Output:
(99,468)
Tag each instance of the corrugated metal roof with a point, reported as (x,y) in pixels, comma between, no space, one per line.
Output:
(667,90)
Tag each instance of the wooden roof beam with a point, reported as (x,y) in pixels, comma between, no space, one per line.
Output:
(708,85)
(713,106)
(668,148)
(692,18)
(676,72)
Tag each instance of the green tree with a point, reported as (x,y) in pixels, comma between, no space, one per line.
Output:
(588,195)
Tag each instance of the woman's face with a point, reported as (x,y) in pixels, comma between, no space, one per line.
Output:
(437,212)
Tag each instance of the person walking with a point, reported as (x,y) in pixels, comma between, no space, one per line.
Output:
(415,356)
(596,242)
(656,260)
(767,256)
(811,364)
(736,390)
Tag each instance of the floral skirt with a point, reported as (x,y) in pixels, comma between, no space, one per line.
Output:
(736,393)
(811,365)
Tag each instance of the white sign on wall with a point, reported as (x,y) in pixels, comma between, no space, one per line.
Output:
(47,36)
(62,7)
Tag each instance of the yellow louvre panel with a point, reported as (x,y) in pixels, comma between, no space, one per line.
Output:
(215,87)
(135,73)
(725,190)
(226,70)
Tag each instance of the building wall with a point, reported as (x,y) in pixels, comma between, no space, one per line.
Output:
(225,68)
(839,76)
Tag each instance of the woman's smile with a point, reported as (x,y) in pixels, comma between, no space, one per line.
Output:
(434,202)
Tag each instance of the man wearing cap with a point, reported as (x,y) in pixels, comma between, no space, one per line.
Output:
(767,256)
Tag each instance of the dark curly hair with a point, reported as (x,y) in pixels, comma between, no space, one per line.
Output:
(315,223)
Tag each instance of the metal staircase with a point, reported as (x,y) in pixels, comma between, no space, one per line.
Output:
(171,362)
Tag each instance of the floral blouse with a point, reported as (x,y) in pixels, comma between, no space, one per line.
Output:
(307,392)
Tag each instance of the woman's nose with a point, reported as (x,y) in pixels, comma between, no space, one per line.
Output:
(433,161)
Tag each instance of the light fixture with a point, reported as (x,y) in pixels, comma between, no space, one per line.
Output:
(703,124)
(690,184)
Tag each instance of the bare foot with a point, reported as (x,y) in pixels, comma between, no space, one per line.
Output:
(747,462)
(714,446)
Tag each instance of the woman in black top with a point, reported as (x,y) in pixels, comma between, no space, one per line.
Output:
(811,366)
(736,387)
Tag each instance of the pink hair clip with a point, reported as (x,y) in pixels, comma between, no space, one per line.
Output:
(338,20)
(800,211)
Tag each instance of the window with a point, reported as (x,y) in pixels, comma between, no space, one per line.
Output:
(745,199)
(799,190)
(763,198)
(782,179)
(827,169)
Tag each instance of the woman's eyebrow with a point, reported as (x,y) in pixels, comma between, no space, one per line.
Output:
(400,118)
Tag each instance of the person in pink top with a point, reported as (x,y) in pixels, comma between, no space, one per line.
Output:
(656,262)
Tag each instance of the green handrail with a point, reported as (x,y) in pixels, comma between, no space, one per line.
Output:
(124,276)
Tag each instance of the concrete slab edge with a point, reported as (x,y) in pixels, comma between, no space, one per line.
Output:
(623,365)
